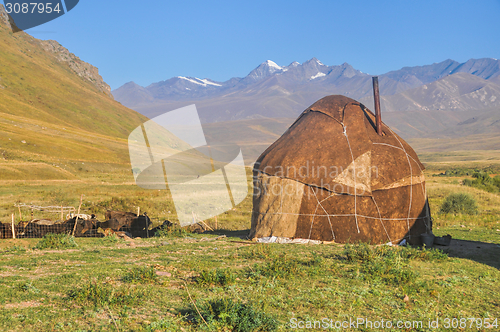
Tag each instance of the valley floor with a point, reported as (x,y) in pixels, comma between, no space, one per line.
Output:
(161,283)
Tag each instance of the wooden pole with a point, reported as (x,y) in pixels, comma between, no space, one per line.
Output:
(206,226)
(76,219)
(13,229)
(138,211)
(20,215)
(216,223)
(376,98)
(62,213)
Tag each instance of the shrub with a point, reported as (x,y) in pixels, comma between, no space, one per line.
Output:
(457,172)
(141,275)
(172,231)
(221,277)
(359,252)
(483,181)
(56,241)
(459,203)
(111,239)
(28,287)
(228,315)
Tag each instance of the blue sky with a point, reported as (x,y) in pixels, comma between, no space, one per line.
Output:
(150,41)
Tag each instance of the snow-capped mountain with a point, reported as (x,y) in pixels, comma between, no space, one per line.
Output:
(271,90)
(265,69)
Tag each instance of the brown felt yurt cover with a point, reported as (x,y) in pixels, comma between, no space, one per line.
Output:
(331,177)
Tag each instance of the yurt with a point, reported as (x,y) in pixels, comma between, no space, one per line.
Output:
(332,177)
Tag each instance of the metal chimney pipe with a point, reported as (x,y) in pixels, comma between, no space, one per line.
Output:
(376,99)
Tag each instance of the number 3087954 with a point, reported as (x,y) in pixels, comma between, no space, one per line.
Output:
(32,8)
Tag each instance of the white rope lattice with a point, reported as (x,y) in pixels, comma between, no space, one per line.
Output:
(321,208)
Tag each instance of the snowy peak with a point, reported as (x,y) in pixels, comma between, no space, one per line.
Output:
(272,64)
(265,69)
(314,66)
(313,63)
(203,82)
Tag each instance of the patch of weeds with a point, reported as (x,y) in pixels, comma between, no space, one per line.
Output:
(362,252)
(220,277)
(15,250)
(389,271)
(432,254)
(453,281)
(56,241)
(359,252)
(456,203)
(228,315)
(141,275)
(111,239)
(99,293)
(316,266)
(28,288)
(164,324)
(281,267)
(258,251)
(385,263)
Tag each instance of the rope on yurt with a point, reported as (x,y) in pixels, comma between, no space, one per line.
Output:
(354,176)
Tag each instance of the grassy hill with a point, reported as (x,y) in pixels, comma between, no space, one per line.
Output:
(49,114)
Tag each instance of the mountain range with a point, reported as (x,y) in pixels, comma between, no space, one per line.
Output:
(273,91)
(434,106)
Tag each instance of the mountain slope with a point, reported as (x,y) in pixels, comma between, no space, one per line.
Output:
(52,115)
(457,92)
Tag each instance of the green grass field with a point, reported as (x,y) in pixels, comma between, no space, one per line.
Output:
(161,283)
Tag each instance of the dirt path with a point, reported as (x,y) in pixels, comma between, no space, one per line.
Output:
(482,252)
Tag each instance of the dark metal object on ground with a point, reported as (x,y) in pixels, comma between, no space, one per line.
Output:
(443,240)
(427,239)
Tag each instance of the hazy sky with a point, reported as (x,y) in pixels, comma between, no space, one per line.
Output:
(149,41)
